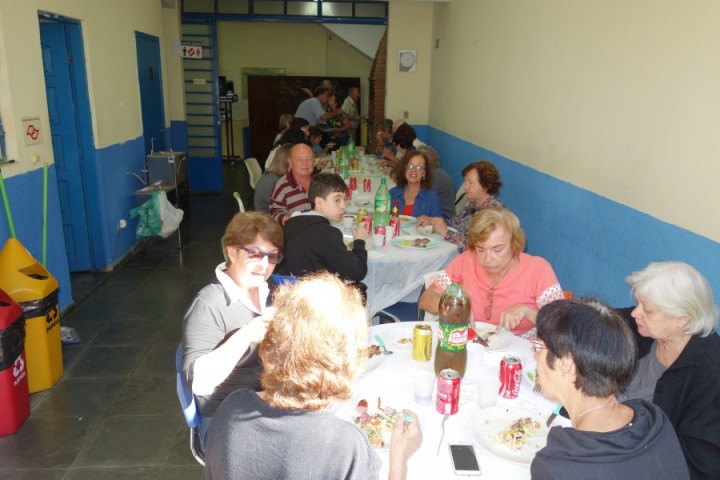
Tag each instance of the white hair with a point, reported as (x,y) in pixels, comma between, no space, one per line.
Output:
(677,289)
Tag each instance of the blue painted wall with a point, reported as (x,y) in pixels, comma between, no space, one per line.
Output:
(592,242)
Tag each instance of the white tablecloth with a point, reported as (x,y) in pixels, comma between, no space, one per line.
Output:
(393,381)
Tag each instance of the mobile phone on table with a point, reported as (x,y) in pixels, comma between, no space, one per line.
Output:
(464,459)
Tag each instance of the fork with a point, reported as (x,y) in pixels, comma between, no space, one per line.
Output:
(382,345)
(391,412)
(442,425)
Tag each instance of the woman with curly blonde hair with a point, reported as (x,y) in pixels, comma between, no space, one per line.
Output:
(314,347)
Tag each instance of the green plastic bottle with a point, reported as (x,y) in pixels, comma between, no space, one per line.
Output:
(382,205)
(454,312)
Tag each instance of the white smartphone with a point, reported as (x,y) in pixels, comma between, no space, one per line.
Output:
(464,459)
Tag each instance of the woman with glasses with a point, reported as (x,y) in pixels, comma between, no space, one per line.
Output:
(412,194)
(585,356)
(506,286)
(482,186)
(224,325)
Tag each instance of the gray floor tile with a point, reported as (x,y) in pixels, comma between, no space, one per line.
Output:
(45,442)
(35,474)
(159,360)
(115,473)
(80,397)
(108,361)
(148,395)
(127,333)
(180,453)
(131,441)
(185,472)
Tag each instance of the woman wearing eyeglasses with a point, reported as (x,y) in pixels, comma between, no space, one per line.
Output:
(224,325)
(585,356)
(506,286)
(412,193)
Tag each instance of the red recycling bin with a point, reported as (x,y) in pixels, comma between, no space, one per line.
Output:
(14,396)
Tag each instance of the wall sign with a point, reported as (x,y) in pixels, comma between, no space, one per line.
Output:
(31,129)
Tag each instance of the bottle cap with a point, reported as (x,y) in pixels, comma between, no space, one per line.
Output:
(457,278)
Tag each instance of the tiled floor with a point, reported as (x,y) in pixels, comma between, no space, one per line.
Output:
(114,414)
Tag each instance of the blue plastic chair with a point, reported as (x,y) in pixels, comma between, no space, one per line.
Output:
(189,408)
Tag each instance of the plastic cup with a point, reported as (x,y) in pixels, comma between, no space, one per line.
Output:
(348,222)
(488,389)
(423,387)
(378,241)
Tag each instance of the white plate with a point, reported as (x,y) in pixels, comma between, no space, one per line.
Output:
(400,332)
(529,371)
(373,362)
(406,220)
(496,342)
(349,412)
(406,241)
(494,421)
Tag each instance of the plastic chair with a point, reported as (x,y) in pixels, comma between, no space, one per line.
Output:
(239,201)
(189,408)
(254,170)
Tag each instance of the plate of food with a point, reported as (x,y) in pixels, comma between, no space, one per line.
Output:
(375,358)
(415,241)
(485,334)
(373,420)
(400,337)
(514,434)
(406,220)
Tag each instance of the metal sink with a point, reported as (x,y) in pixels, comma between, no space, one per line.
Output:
(168,168)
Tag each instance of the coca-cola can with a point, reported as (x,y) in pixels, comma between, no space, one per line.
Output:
(380,230)
(353,183)
(395,227)
(448,392)
(366,184)
(348,193)
(367,224)
(510,376)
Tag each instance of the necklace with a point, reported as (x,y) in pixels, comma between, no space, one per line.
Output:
(596,407)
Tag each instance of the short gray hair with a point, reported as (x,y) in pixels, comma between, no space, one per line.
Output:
(677,289)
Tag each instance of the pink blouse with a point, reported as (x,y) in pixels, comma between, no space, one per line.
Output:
(532,282)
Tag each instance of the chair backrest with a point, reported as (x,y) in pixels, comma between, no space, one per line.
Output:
(254,170)
(461,199)
(185,395)
(239,201)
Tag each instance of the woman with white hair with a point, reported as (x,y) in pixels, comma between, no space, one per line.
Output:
(679,368)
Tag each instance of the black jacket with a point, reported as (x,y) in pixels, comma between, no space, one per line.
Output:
(312,245)
(647,448)
(689,394)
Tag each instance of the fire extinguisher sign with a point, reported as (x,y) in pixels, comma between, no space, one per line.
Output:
(191,49)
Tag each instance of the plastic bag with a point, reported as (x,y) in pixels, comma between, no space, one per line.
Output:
(170,216)
(157,216)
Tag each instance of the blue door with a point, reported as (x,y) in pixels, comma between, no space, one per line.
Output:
(151,91)
(67,150)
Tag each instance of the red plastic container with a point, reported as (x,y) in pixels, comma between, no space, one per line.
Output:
(14,396)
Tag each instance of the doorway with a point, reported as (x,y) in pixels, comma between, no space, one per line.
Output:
(72,138)
(151,91)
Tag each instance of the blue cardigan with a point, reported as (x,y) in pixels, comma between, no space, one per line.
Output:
(427,202)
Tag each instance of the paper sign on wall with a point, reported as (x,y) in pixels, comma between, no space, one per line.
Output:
(31,130)
(191,49)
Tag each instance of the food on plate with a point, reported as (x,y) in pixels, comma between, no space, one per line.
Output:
(377,427)
(374,350)
(404,341)
(521,434)
(421,242)
(405,220)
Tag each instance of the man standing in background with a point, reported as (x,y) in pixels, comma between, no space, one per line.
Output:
(350,108)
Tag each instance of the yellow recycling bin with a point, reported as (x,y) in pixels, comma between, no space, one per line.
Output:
(30,285)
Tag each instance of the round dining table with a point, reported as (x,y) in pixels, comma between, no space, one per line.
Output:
(390,381)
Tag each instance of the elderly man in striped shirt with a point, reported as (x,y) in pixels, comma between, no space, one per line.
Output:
(290,192)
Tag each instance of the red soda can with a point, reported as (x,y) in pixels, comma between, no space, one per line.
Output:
(366,184)
(380,230)
(367,223)
(353,183)
(348,194)
(395,226)
(448,392)
(510,376)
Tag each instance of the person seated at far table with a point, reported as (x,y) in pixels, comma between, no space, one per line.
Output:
(298,132)
(412,192)
(264,187)
(315,346)
(290,192)
(585,356)
(506,286)
(403,138)
(223,326)
(384,138)
(442,184)
(482,186)
(675,324)
(316,136)
(312,244)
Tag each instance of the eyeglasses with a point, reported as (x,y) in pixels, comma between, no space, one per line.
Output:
(536,346)
(416,168)
(489,306)
(257,255)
